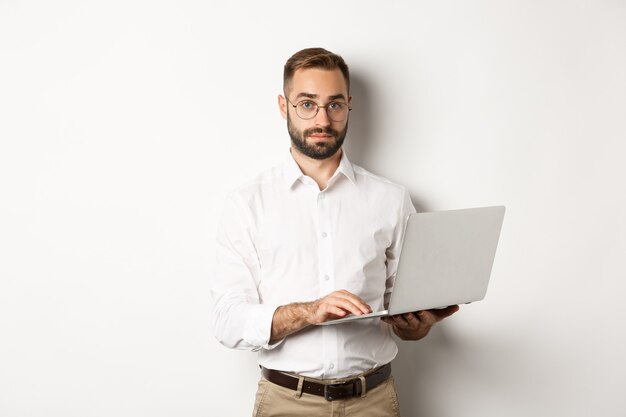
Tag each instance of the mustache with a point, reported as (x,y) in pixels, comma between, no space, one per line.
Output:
(322,130)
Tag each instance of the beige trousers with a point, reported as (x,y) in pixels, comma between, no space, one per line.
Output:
(275,401)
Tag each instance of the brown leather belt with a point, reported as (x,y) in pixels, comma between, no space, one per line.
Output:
(338,391)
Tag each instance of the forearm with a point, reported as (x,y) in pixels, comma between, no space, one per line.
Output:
(289,319)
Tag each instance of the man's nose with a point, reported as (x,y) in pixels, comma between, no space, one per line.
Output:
(321,118)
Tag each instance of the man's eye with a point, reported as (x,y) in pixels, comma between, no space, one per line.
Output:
(335,106)
(307,105)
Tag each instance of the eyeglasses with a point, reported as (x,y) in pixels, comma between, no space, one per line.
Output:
(307,109)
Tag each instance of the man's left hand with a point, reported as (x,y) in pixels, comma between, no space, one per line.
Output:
(414,326)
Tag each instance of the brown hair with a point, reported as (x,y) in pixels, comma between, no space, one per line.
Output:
(314,58)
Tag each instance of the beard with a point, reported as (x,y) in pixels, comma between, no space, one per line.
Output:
(318,150)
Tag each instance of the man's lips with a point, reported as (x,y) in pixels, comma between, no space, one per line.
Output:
(321,136)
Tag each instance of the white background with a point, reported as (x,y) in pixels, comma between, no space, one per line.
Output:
(123,124)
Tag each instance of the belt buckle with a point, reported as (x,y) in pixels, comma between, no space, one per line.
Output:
(328,396)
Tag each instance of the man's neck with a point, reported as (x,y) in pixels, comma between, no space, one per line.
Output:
(320,170)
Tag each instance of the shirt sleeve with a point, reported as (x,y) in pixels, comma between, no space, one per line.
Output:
(240,320)
(405,208)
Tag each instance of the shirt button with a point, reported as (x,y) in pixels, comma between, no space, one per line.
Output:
(326,277)
(324,235)
(322,196)
(331,366)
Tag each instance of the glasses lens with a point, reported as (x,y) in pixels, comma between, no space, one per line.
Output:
(337,111)
(306,109)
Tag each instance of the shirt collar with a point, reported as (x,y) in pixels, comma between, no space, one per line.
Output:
(345,167)
(293,173)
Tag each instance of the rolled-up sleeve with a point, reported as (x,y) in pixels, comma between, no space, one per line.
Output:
(240,319)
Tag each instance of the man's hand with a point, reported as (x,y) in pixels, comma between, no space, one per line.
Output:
(335,305)
(414,326)
(291,318)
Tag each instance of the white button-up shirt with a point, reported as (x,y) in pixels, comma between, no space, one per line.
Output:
(282,240)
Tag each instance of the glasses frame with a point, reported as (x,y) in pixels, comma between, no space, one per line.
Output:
(317,110)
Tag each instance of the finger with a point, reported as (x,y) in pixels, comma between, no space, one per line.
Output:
(426,317)
(441,314)
(412,321)
(390,321)
(387,320)
(348,294)
(336,311)
(347,305)
(399,321)
(354,300)
(450,310)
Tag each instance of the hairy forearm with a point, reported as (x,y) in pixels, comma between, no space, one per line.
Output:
(289,319)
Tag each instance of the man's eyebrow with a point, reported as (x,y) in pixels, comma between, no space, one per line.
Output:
(336,96)
(307,95)
(310,95)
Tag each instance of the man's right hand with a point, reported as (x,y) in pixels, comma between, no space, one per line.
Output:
(290,318)
(335,305)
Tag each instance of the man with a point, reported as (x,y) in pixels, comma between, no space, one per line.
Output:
(312,240)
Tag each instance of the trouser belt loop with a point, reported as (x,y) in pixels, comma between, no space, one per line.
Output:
(363,386)
(300,385)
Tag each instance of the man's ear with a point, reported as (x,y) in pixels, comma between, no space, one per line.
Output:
(282,106)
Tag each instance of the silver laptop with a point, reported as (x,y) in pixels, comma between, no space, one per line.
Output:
(446,259)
